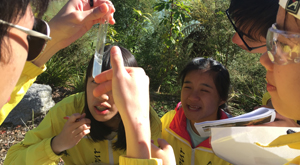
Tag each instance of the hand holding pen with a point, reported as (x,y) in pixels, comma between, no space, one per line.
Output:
(76,127)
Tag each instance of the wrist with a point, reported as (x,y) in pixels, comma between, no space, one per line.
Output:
(139,133)
(56,147)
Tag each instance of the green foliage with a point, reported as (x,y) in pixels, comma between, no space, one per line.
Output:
(164,36)
(68,66)
(163,103)
(248,83)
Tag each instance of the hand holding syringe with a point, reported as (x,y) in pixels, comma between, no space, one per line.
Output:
(100,44)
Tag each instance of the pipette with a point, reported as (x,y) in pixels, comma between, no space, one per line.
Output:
(100,44)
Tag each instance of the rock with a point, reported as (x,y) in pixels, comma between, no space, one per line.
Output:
(37,98)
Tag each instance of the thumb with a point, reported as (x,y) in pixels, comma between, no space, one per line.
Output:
(96,13)
(116,61)
(164,145)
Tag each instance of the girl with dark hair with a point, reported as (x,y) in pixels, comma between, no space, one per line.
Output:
(81,129)
(26,43)
(205,85)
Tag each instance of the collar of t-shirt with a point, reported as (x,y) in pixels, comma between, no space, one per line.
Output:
(195,138)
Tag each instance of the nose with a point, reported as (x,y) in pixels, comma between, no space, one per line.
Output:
(194,96)
(104,97)
(266,62)
(237,39)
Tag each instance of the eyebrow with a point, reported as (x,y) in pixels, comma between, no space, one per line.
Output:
(188,82)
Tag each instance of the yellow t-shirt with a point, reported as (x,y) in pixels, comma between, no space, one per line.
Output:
(28,76)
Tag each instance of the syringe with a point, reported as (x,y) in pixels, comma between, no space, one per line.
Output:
(98,57)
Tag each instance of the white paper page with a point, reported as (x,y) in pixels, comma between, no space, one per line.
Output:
(237,145)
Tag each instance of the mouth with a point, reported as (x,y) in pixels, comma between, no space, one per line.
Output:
(270,87)
(193,107)
(102,109)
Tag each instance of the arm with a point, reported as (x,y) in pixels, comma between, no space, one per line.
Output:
(72,22)
(36,148)
(131,94)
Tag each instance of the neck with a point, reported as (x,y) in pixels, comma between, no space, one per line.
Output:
(114,122)
(212,117)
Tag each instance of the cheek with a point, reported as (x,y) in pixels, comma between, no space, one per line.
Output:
(287,80)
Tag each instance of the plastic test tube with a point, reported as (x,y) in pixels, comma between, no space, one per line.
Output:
(100,44)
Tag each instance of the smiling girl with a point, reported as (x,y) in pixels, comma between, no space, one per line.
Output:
(81,129)
(204,91)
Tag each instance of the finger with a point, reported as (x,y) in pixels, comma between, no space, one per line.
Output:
(80,129)
(117,62)
(74,117)
(164,145)
(81,135)
(155,151)
(99,2)
(102,11)
(104,76)
(108,74)
(102,88)
(111,19)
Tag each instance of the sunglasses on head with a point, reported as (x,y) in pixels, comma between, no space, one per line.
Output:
(37,37)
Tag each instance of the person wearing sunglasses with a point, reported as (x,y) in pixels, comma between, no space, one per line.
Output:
(21,34)
(26,43)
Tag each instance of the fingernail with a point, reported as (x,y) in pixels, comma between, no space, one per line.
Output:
(103,8)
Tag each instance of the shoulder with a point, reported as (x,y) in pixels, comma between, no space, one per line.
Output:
(70,105)
(154,119)
(168,117)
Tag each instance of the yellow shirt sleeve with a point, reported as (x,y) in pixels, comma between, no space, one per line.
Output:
(265,98)
(36,147)
(132,161)
(155,125)
(28,76)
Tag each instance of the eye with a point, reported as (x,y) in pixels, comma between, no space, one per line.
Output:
(187,87)
(203,90)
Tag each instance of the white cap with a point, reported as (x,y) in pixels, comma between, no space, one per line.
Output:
(291,6)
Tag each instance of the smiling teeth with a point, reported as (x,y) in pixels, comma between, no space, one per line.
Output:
(100,108)
(193,107)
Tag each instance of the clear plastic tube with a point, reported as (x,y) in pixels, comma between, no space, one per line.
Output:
(98,57)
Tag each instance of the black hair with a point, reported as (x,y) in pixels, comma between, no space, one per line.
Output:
(13,10)
(220,74)
(256,16)
(99,131)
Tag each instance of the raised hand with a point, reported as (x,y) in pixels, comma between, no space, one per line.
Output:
(74,130)
(281,121)
(165,152)
(72,22)
(130,88)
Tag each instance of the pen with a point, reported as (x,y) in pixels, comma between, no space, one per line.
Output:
(91,3)
(67,118)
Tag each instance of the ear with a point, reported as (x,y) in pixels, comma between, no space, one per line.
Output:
(222,102)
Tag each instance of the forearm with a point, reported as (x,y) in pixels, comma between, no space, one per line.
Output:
(38,153)
(51,48)
(138,137)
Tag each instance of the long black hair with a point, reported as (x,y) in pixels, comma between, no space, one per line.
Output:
(220,74)
(12,11)
(99,131)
